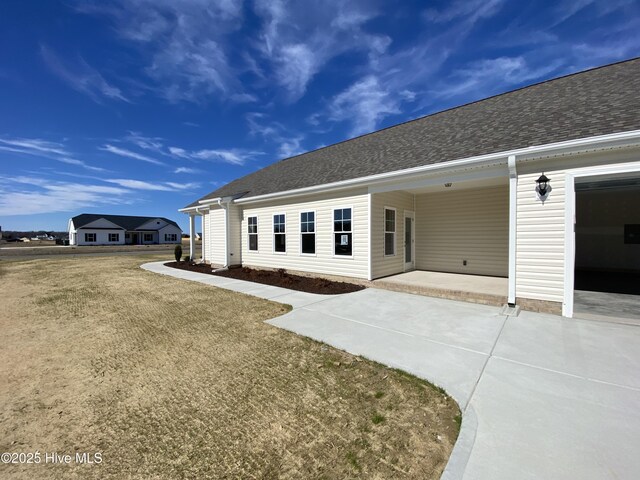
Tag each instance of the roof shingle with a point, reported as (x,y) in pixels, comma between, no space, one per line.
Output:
(594,102)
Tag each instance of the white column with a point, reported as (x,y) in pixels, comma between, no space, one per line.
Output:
(192,235)
(202,238)
(513,218)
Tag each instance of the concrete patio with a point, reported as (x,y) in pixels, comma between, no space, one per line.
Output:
(454,286)
(543,397)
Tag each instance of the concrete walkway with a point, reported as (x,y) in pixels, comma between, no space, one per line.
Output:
(543,397)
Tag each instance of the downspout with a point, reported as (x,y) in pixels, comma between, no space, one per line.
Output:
(513,218)
(203,238)
(226,233)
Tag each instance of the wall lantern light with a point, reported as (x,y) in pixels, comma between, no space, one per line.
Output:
(543,185)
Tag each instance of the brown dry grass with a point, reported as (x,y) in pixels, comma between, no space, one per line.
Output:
(172,379)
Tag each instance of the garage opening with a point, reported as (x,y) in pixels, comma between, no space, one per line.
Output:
(607,255)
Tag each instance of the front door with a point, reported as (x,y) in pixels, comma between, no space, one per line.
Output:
(409,241)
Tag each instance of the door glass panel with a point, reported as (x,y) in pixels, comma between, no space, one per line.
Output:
(407,240)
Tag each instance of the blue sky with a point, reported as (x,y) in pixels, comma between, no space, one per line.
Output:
(140,107)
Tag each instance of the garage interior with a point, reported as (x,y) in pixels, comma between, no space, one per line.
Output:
(607,255)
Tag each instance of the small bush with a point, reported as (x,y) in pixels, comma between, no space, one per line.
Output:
(177,252)
(187,258)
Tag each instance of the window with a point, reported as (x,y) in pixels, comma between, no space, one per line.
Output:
(148,237)
(114,237)
(389,231)
(252,230)
(89,237)
(342,235)
(308,233)
(279,234)
(170,237)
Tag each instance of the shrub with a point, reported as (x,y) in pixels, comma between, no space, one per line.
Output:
(177,252)
(187,258)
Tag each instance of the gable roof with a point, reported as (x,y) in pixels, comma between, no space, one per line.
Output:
(124,221)
(599,101)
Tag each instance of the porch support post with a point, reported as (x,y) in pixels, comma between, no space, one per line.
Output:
(202,255)
(513,202)
(192,235)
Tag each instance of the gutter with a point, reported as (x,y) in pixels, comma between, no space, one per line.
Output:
(513,219)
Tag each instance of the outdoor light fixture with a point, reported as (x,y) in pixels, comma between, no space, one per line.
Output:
(448,184)
(543,184)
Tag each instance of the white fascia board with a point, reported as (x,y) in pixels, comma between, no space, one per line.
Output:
(600,142)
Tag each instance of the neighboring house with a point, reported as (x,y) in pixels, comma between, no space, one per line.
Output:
(94,229)
(457,191)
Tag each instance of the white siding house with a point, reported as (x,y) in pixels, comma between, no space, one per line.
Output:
(95,229)
(460,191)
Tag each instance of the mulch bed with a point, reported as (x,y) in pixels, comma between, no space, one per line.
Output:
(279,278)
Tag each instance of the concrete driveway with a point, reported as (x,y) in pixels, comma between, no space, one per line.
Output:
(543,397)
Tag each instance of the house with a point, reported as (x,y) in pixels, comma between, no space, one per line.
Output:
(95,229)
(491,188)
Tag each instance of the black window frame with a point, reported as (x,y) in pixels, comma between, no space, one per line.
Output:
(94,235)
(117,237)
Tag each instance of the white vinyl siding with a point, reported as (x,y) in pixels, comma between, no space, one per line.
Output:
(235,234)
(215,236)
(467,224)
(382,265)
(324,260)
(169,230)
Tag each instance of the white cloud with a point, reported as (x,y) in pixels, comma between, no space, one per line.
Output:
(470,10)
(274,132)
(290,147)
(45,149)
(234,156)
(81,77)
(142,185)
(129,154)
(185,44)
(364,103)
(187,170)
(48,197)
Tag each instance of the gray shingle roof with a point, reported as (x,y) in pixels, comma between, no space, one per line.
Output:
(594,102)
(127,222)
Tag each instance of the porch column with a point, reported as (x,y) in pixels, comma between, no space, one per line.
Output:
(513,218)
(202,238)
(192,235)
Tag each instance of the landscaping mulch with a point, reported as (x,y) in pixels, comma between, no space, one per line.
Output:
(277,278)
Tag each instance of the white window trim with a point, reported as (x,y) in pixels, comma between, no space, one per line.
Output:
(333,232)
(384,232)
(257,234)
(315,233)
(273,235)
(117,238)
(95,237)
(170,237)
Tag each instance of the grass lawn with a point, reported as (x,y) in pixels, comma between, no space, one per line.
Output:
(172,379)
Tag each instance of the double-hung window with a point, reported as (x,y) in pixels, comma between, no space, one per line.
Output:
(342,233)
(148,237)
(252,231)
(170,237)
(279,233)
(308,233)
(389,231)
(89,237)
(114,237)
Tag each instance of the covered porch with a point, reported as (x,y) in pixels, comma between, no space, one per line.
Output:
(481,289)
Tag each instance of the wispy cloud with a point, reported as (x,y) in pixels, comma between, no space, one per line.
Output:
(288,143)
(187,170)
(32,195)
(468,10)
(123,152)
(234,156)
(299,38)
(81,77)
(159,186)
(44,149)
(365,103)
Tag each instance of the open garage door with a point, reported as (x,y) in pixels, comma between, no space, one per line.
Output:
(607,254)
